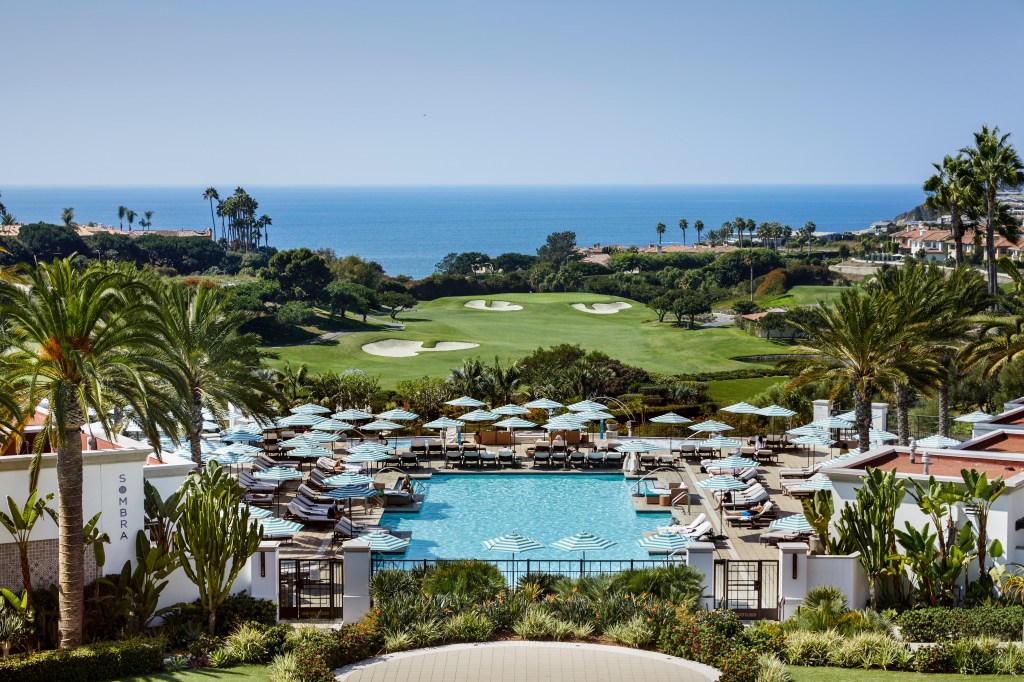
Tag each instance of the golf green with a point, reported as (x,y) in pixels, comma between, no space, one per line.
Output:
(632,335)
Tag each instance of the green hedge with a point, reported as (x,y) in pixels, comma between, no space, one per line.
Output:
(752,373)
(104,661)
(936,624)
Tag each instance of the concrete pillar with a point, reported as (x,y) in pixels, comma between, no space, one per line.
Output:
(821,409)
(792,576)
(879,416)
(356,570)
(701,556)
(263,567)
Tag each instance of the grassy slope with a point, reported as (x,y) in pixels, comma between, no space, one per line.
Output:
(729,391)
(803,295)
(633,336)
(801,674)
(243,673)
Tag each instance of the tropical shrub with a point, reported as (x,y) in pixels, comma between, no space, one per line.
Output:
(636,632)
(469,578)
(765,637)
(771,669)
(811,648)
(871,650)
(739,665)
(103,661)
(937,658)
(1010,660)
(285,668)
(975,656)
(469,626)
(940,623)
(679,584)
(385,584)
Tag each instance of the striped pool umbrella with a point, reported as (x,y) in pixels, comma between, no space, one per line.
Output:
(670,418)
(710,426)
(331,424)
(776,411)
(382,425)
(664,543)
(719,442)
(837,460)
(741,408)
(369,449)
(586,406)
(833,423)
(238,435)
(255,512)
(310,408)
(543,404)
(879,436)
(818,439)
(381,541)
(510,410)
(465,401)
(313,437)
(273,527)
(636,446)
(348,478)
(816,482)
(582,542)
(297,419)
(352,415)
(349,493)
(721,483)
(513,543)
(513,423)
(479,416)
(398,415)
(807,430)
(309,452)
(937,441)
(973,418)
(230,459)
(366,458)
(243,449)
(732,463)
(850,416)
(278,474)
(444,423)
(796,523)
(211,426)
(599,416)
(300,441)
(563,425)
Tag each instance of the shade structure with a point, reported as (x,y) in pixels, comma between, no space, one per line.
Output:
(670,418)
(837,460)
(563,425)
(721,482)
(366,458)
(349,493)
(348,478)
(639,446)
(732,462)
(719,442)
(833,423)
(879,436)
(297,419)
(398,415)
(274,527)
(243,449)
(819,440)
(369,449)
(352,415)
(513,542)
(711,426)
(796,523)
(316,436)
(664,542)
(808,430)
(595,415)
(937,441)
(238,435)
(817,482)
(582,542)
(444,423)
(382,541)
(298,442)
(382,425)
(479,416)
(230,459)
(776,411)
(741,408)
(331,424)
(515,423)
(586,406)
(211,426)
(278,474)
(543,404)
(465,401)
(310,408)
(850,416)
(510,410)
(309,452)
(974,417)
(255,512)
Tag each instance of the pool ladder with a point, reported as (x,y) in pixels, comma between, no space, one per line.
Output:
(684,496)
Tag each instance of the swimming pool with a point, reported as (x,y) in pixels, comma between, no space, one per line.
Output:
(461,511)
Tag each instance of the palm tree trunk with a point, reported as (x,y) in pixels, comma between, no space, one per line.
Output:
(903,414)
(958,235)
(71,549)
(213,222)
(943,400)
(862,410)
(990,243)
(196,430)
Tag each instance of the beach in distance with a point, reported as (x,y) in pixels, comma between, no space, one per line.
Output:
(409,229)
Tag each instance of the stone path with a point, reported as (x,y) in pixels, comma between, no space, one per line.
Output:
(526,662)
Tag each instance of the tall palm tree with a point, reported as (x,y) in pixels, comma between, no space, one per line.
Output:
(121,212)
(660,229)
(130,217)
(84,340)
(263,224)
(217,365)
(67,216)
(147,221)
(290,385)
(995,165)
(698,227)
(210,194)
(952,188)
(683,226)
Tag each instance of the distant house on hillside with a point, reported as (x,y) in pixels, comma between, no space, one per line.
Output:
(938,244)
(12,231)
(768,324)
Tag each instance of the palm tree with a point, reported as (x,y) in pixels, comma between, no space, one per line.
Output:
(263,224)
(130,216)
(683,225)
(122,211)
(215,363)
(290,385)
(211,194)
(83,339)
(952,188)
(995,164)
(698,227)
(660,229)
(808,230)
(147,222)
(67,217)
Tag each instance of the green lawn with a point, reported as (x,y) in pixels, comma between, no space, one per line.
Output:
(633,336)
(803,295)
(729,391)
(801,674)
(243,673)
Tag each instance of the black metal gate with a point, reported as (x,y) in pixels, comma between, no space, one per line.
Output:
(750,588)
(310,588)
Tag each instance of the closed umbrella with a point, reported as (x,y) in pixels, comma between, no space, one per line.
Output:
(741,408)
(974,417)
(513,543)
(465,401)
(937,441)
(795,523)
(381,541)
(664,543)
(398,415)
(352,415)
(721,484)
(670,418)
(583,542)
(310,408)
(510,410)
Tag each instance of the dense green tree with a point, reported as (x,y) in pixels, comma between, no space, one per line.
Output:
(424,396)
(461,263)
(689,304)
(302,274)
(67,216)
(187,255)
(559,249)
(661,305)
(113,246)
(342,297)
(396,303)
(295,314)
(46,242)
(510,262)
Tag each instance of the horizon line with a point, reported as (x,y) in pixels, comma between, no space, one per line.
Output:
(4,185)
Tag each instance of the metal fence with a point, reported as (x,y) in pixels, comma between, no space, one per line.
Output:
(310,588)
(515,569)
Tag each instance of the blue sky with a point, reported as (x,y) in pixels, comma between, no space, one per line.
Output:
(488,92)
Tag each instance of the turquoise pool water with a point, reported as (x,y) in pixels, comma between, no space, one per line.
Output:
(462,511)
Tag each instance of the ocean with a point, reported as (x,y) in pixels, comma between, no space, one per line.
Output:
(409,229)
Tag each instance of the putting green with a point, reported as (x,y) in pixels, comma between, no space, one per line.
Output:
(632,335)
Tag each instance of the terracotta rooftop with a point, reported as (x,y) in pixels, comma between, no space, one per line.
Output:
(944,464)
(1000,441)
(1011,418)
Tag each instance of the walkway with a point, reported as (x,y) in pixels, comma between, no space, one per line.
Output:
(526,662)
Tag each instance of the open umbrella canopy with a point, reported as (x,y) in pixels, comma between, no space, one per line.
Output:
(298,442)
(719,442)
(732,462)
(278,474)
(240,435)
(398,415)
(510,410)
(349,492)
(515,423)
(381,541)
(586,406)
(513,542)
(255,512)
(274,527)
(348,478)
(369,449)
(664,542)
(639,446)
(817,482)
(833,423)
(974,417)
(309,452)
(808,430)
(563,425)
(819,440)
(850,416)
(582,542)
(465,401)
(595,415)
(331,424)
(382,425)
(479,416)
(776,411)
(310,408)
(879,436)
(741,408)
(444,423)
(317,436)
(797,523)
(670,418)
(366,457)
(937,441)
(297,419)
(352,415)
(229,458)
(837,460)
(211,426)
(542,404)
(721,482)
(711,426)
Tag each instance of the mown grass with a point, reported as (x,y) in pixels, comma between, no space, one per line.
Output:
(243,673)
(802,674)
(729,391)
(803,295)
(633,336)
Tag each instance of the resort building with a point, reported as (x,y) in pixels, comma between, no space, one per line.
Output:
(938,244)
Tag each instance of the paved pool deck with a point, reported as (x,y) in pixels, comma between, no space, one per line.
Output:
(526,662)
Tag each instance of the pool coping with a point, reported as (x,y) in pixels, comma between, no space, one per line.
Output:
(343,673)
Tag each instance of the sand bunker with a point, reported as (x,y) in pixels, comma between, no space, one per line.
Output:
(602,308)
(499,306)
(397,348)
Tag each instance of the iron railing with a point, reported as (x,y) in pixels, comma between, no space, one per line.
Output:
(310,588)
(515,569)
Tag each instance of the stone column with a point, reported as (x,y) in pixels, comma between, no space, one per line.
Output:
(701,556)
(821,409)
(356,571)
(792,576)
(879,416)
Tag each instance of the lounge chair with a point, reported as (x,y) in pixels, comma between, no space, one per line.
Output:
(768,511)
(409,459)
(506,456)
(346,528)
(396,496)
(254,485)
(435,446)
(648,460)
(542,456)
(684,527)
(699,531)
(798,472)
(471,456)
(311,514)
(313,496)
(558,457)
(488,457)
(613,459)
(452,458)
(774,537)
(577,458)
(747,451)
(418,446)
(610,446)
(264,461)
(745,501)
(596,459)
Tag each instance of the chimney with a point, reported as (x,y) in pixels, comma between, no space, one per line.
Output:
(925,461)
(921,231)
(913,450)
